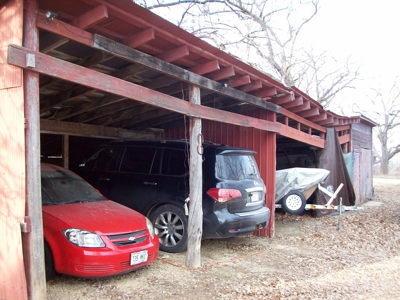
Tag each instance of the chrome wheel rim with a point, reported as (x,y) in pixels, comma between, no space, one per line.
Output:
(293,202)
(170,228)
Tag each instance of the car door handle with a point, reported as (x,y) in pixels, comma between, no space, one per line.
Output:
(150,183)
(104,179)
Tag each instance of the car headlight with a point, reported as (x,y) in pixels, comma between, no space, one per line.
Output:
(83,238)
(150,227)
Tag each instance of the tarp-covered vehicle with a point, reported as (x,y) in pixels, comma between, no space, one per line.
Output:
(295,185)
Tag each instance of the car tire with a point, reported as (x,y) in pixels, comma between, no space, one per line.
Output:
(49,262)
(170,223)
(294,202)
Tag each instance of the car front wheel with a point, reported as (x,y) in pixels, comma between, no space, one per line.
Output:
(49,263)
(170,223)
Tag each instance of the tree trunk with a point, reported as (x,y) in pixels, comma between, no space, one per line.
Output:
(385,156)
(384,165)
(195,223)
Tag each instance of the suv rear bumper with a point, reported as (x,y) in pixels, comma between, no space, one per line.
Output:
(222,223)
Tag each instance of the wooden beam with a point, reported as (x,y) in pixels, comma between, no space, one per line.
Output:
(119,108)
(342,128)
(83,108)
(309,113)
(239,81)
(24,190)
(135,56)
(65,151)
(300,108)
(205,68)
(255,85)
(344,139)
(283,99)
(266,93)
(296,102)
(329,121)
(222,74)
(195,220)
(86,20)
(174,54)
(65,30)
(306,122)
(140,38)
(302,137)
(91,17)
(320,117)
(54,67)
(77,129)
(160,82)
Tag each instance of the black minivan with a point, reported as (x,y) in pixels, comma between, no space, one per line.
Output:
(152,177)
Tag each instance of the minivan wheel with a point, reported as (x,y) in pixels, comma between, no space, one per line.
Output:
(170,223)
(294,202)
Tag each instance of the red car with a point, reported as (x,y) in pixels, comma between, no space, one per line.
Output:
(87,235)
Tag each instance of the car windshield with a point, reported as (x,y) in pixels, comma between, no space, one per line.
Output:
(236,167)
(62,187)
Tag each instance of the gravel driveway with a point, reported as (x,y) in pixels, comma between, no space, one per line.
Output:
(308,259)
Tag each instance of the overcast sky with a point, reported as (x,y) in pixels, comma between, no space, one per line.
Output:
(368,31)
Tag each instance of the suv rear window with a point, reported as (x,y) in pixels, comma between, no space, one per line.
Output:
(236,167)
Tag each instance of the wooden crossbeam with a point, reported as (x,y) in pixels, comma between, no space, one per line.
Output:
(140,38)
(54,67)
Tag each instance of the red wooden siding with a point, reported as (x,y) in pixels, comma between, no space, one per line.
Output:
(12,153)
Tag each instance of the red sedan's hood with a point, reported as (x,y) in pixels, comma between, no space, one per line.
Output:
(102,217)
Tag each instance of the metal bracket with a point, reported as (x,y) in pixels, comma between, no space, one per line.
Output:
(26,226)
(30,60)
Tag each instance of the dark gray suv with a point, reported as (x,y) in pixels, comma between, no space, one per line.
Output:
(152,177)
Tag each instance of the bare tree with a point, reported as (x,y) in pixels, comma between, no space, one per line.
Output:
(264,33)
(385,111)
(324,77)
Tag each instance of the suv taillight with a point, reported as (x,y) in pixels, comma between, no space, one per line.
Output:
(223,195)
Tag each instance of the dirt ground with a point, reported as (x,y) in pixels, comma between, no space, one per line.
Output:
(309,258)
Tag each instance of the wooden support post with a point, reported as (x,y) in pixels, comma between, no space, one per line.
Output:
(33,237)
(65,151)
(195,224)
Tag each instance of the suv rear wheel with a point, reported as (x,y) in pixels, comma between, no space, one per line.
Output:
(170,223)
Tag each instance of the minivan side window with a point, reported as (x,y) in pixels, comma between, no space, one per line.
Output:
(144,160)
(174,162)
(104,160)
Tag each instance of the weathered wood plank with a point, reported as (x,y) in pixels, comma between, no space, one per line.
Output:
(195,222)
(76,129)
(67,71)
(297,118)
(135,56)
(12,163)
(303,137)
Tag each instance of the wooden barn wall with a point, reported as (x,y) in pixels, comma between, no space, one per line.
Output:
(12,157)
(361,141)
(361,136)
(264,143)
